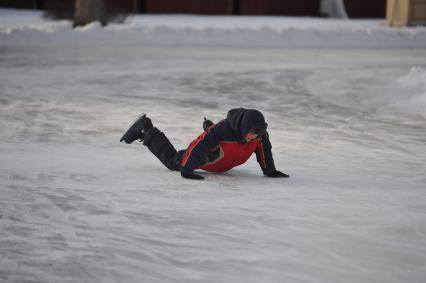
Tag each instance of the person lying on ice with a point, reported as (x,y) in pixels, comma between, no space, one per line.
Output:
(219,148)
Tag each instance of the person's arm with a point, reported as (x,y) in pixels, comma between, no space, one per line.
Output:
(265,159)
(197,153)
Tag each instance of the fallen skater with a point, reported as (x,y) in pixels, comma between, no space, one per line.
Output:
(219,148)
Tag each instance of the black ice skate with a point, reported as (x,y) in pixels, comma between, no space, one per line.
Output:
(137,129)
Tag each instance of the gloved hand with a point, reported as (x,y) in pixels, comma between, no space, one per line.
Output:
(277,174)
(191,175)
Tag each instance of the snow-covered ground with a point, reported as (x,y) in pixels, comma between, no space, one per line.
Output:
(348,125)
(20,28)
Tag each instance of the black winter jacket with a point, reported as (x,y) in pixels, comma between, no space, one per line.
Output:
(222,146)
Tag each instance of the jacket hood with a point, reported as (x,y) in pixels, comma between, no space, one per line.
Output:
(242,120)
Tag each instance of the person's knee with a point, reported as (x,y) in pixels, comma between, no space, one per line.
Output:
(177,160)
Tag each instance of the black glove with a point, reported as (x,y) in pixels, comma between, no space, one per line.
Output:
(277,174)
(191,175)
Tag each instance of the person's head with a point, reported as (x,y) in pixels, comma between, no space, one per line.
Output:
(256,131)
(247,123)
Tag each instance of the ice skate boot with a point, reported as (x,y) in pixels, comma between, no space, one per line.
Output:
(137,129)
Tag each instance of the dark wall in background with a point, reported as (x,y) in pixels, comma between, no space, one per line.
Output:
(355,8)
(128,6)
(38,4)
(279,7)
(209,7)
(21,4)
(62,5)
(366,8)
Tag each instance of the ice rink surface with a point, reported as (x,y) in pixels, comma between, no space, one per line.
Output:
(348,125)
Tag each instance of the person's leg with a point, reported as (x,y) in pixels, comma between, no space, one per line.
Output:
(143,130)
(178,159)
(160,146)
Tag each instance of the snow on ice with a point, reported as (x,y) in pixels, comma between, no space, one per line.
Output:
(347,122)
(212,31)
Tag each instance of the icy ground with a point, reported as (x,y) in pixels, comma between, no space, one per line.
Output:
(349,126)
